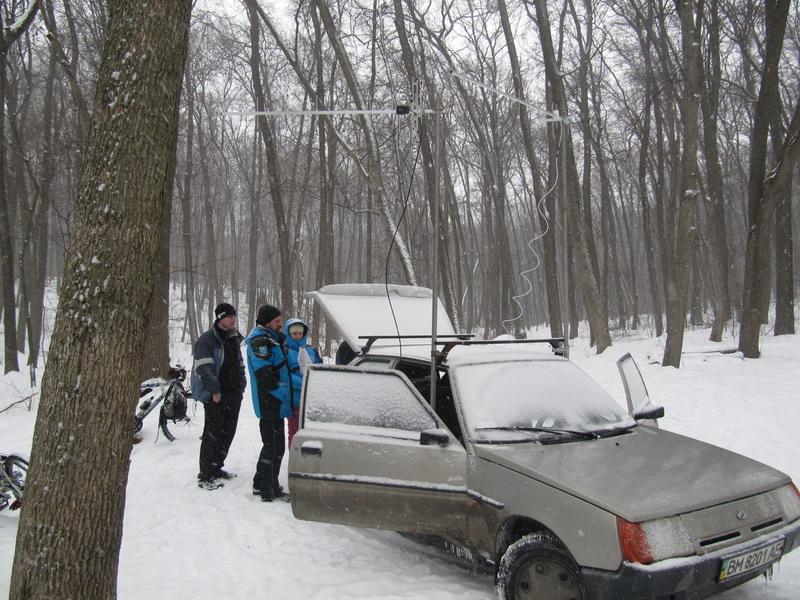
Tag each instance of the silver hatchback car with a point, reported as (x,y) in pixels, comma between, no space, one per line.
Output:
(525,462)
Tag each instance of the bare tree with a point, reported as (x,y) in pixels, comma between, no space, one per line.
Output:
(598,320)
(549,239)
(8,35)
(711,76)
(677,283)
(761,192)
(376,183)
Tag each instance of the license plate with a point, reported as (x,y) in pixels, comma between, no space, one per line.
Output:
(750,561)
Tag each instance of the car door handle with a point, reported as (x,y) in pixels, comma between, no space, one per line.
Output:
(313,449)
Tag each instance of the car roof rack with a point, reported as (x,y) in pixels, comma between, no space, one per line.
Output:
(371,339)
(559,348)
(463,339)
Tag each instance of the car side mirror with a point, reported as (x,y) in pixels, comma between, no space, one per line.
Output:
(434,437)
(651,412)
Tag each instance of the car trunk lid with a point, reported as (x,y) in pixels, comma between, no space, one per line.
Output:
(367,309)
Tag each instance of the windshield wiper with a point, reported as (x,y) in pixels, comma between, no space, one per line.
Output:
(622,430)
(586,435)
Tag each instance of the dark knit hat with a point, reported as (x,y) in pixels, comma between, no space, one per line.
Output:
(266,312)
(223,310)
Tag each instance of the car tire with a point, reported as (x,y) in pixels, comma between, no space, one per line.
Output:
(538,567)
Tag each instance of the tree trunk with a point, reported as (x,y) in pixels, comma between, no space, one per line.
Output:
(548,235)
(155,359)
(598,320)
(213,280)
(273,164)
(761,197)
(376,183)
(429,158)
(327,168)
(41,233)
(82,443)
(716,210)
(784,262)
(650,248)
(253,238)
(8,35)
(678,282)
(186,213)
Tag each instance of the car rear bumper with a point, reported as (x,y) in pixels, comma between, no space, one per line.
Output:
(687,578)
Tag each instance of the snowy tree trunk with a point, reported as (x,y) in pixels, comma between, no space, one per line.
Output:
(760,196)
(70,530)
(678,282)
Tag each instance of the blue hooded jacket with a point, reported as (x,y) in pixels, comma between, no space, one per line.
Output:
(269,369)
(293,351)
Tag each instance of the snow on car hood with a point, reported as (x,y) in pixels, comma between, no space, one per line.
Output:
(359,309)
(643,475)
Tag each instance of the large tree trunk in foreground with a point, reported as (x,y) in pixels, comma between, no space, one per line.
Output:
(71,527)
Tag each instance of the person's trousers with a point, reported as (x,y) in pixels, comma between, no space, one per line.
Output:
(272,449)
(218,431)
(292,425)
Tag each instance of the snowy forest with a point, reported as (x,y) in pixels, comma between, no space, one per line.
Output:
(663,146)
(614,168)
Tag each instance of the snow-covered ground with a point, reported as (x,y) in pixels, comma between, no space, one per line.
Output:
(183,542)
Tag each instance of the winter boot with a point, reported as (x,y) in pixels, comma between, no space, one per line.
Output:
(208,483)
(222,474)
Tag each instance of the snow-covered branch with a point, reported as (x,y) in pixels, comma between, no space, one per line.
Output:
(13,31)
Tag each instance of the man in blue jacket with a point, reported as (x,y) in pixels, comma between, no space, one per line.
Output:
(218,382)
(272,398)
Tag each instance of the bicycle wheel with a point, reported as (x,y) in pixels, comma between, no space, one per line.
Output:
(15,472)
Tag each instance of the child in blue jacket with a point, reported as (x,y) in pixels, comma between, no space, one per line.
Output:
(298,355)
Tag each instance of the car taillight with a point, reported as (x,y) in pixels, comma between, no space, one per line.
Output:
(796,491)
(633,542)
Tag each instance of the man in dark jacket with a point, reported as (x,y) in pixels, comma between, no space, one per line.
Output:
(218,382)
(272,398)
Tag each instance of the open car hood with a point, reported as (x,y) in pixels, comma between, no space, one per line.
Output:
(362,309)
(643,475)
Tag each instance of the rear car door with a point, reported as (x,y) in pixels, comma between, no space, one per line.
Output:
(358,460)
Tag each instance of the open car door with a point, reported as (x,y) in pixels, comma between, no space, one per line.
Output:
(639,405)
(371,453)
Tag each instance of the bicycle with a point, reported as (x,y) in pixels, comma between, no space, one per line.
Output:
(13,471)
(170,395)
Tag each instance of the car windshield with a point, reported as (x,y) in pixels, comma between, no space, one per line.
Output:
(535,400)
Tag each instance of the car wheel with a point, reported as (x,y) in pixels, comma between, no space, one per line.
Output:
(537,567)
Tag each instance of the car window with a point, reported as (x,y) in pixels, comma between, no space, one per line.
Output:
(502,400)
(358,398)
(374,363)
